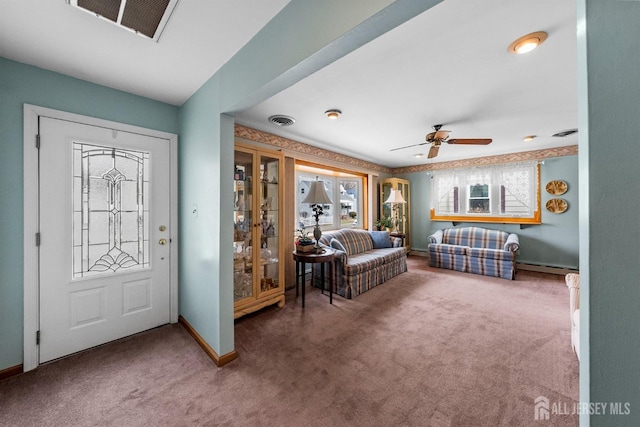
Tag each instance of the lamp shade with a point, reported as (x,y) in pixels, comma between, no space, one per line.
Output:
(395,196)
(317,194)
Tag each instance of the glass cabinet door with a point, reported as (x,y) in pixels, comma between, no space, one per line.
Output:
(385,210)
(269,217)
(243,226)
(403,208)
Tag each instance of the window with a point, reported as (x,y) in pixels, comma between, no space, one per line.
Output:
(479,199)
(502,193)
(346,191)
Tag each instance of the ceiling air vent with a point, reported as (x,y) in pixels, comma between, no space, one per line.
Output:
(565,133)
(143,17)
(280,120)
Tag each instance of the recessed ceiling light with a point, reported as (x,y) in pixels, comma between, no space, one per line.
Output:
(418,155)
(529,137)
(527,43)
(333,114)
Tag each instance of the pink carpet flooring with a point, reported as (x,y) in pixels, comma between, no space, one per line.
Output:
(428,348)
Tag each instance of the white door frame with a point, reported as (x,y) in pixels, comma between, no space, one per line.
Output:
(31,216)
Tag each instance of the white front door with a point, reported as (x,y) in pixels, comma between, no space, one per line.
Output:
(104,263)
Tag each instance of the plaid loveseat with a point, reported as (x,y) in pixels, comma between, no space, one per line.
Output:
(475,250)
(364,259)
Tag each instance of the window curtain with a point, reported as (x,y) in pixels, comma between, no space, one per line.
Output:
(513,189)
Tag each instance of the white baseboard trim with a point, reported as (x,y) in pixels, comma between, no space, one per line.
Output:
(545,268)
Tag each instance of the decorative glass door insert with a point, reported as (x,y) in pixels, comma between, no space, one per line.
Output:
(110,210)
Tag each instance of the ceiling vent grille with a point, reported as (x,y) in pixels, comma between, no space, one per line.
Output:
(281,120)
(143,17)
(565,133)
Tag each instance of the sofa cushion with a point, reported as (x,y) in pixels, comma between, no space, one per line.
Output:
(354,241)
(475,237)
(335,244)
(498,254)
(359,263)
(381,239)
(449,249)
(391,254)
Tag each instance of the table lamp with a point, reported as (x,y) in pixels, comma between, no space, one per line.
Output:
(317,197)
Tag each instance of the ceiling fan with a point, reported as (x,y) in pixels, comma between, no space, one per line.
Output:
(439,136)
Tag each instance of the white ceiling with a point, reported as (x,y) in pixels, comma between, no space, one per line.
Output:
(199,38)
(449,65)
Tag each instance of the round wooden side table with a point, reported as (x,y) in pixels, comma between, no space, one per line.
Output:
(326,256)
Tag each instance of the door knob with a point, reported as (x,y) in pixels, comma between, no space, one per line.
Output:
(163,242)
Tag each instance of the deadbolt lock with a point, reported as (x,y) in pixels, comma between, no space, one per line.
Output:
(162,228)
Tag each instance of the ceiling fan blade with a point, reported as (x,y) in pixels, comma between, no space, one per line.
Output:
(408,146)
(433,151)
(470,141)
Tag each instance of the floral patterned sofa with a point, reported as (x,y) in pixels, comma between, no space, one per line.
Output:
(475,250)
(364,259)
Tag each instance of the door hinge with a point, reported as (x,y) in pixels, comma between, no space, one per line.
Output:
(38,141)
(37,337)
(38,239)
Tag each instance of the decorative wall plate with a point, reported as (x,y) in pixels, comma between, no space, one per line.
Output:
(557,206)
(556,187)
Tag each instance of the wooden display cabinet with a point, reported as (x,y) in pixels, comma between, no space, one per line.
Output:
(258,270)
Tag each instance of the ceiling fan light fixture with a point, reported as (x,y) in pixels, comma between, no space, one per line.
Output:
(529,138)
(527,43)
(333,114)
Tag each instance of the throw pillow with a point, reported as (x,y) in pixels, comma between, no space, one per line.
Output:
(381,239)
(335,244)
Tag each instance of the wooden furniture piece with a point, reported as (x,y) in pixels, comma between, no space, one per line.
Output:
(326,256)
(404,217)
(258,278)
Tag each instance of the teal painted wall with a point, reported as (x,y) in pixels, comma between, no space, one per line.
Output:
(554,243)
(20,84)
(323,31)
(609,95)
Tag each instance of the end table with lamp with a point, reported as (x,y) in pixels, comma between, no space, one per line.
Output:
(317,198)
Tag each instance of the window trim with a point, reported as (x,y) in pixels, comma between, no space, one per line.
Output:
(536,218)
(311,167)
